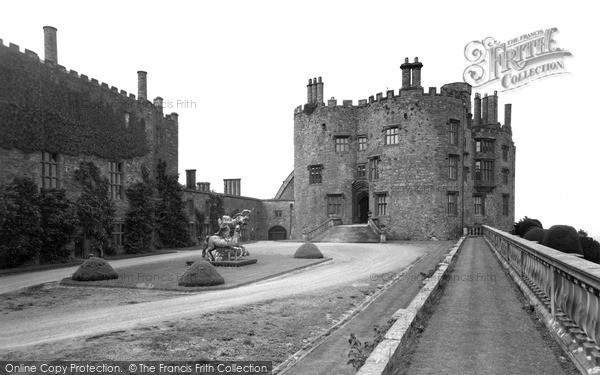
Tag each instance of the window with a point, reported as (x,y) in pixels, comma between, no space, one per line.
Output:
(484,170)
(505,153)
(115,172)
(361,171)
(362,143)
(505,175)
(118,231)
(479,205)
(381,200)
(484,146)
(315,174)
(278,213)
(49,170)
(374,168)
(452,203)
(453,167)
(191,208)
(391,135)
(453,132)
(334,204)
(342,144)
(505,204)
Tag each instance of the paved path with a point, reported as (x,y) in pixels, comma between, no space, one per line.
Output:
(331,357)
(479,325)
(351,262)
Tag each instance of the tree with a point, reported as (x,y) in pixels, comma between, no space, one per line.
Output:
(139,220)
(59,224)
(20,232)
(171,221)
(94,207)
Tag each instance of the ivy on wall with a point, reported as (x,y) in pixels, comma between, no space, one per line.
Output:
(41,110)
(216,211)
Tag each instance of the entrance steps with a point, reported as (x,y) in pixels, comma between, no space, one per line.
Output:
(354,233)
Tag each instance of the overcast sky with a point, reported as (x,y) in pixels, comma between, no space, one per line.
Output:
(242,67)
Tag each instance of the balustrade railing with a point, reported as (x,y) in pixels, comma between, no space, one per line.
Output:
(308,235)
(375,228)
(572,284)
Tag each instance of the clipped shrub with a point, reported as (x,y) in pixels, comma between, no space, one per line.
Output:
(563,238)
(535,234)
(524,224)
(308,251)
(590,248)
(201,273)
(94,269)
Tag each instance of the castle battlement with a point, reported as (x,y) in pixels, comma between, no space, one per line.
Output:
(73,74)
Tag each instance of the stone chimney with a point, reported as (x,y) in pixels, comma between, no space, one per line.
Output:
(50,49)
(190,179)
(405,73)
(416,73)
(142,86)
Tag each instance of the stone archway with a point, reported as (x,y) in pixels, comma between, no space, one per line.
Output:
(360,201)
(277,233)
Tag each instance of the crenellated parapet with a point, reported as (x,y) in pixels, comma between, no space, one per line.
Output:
(59,72)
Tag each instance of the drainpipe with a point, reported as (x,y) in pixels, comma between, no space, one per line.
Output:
(291,208)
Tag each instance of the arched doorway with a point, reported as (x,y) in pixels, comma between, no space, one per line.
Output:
(360,201)
(277,233)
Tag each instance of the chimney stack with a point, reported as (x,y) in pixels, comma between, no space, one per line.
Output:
(309,97)
(190,179)
(507,114)
(50,49)
(314,90)
(493,108)
(142,86)
(319,98)
(405,73)
(477,114)
(484,109)
(232,186)
(416,73)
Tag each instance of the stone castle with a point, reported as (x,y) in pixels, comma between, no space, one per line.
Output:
(419,164)
(416,165)
(52,118)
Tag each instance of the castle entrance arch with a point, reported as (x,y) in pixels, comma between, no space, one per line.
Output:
(277,233)
(360,201)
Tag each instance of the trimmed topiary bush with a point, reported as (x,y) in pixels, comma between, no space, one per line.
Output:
(308,251)
(524,224)
(590,248)
(535,234)
(201,273)
(94,269)
(563,238)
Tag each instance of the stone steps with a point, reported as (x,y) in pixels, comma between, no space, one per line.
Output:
(356,233)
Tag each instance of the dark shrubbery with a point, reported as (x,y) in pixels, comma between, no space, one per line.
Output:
(20,232)
(524,224)
(201,273)
(94,208)
(58,223)
(308,251)
(94,269)
(590,248)
(535,234)
(139,220)
(563,238)
(171,221)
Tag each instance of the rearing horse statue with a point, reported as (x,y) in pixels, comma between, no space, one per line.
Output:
(215,242)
